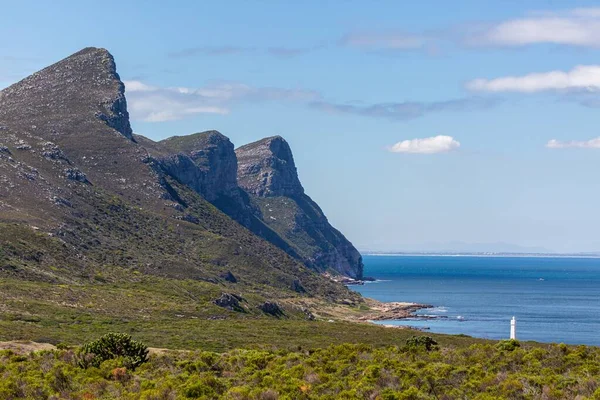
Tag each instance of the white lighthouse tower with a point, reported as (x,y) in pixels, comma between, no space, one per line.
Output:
(513,328)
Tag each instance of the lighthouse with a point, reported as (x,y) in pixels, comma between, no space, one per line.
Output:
(513,328)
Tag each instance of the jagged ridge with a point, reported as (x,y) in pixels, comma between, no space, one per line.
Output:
(267,171)
(70,166)
(266,168)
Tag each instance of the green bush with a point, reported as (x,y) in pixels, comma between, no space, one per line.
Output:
(111,346)
(421,342)
(508,345)
(348,371)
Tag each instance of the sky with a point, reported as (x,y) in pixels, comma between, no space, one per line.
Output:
(413,124)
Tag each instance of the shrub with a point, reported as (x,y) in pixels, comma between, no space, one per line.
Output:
(111,346)
(508,345)
(421,342)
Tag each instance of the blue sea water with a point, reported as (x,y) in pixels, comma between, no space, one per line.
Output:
(553,299)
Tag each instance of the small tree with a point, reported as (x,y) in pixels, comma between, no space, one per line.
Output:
(508,345)
(111,346)
(421,342)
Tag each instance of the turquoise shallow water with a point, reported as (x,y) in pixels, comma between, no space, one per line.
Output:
(553,299)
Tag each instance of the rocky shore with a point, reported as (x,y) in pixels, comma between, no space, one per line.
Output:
(391,311)
(379,311)
(346,280)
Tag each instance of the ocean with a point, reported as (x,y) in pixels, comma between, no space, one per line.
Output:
(553,299)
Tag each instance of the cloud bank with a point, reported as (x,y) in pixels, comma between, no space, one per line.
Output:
(150,103)
(430,145)
(406,110)
(157,104)
(209,51)
(384,41)
(582,78)
(214,51)
(575,27)
(587,144)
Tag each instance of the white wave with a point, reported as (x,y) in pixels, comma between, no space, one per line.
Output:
(440,309)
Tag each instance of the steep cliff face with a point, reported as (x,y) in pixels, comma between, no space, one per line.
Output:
(267,171)
(205,161)
(85,81)
(67,127)
(79,193)
(266,168)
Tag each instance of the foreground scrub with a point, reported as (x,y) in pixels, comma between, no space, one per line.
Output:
(416,370)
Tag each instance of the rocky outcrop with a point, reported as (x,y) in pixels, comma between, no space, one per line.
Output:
(266,170)
(229,277)
(207,163)
(272,308)
(70,120)
(86,78)
(230,302)
(204,161)
(269,200)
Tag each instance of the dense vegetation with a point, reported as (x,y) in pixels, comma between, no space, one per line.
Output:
(111,346)
(407,371)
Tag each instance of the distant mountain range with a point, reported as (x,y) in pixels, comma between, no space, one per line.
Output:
(463,247)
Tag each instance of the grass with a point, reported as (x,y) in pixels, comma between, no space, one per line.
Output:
(174,314)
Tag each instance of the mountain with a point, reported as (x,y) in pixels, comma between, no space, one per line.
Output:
(82,197)
(207,163)
(266,171)
(463,247)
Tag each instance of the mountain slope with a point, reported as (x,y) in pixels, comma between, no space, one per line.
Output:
(73,174)
(266,170)
(206,162)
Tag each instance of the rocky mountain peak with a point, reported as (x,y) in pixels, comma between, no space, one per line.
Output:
(85,83)
(266,168)
(203,147)
(206,161)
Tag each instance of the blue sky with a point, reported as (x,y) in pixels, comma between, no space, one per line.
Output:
(412,123)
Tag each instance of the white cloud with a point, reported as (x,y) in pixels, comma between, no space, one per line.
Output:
(137,86)
(431,145)
(576,27)
(157,104)
(586,144)
(582,77)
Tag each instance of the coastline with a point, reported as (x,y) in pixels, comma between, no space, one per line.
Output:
(486,255)
(389,311)
(378,310)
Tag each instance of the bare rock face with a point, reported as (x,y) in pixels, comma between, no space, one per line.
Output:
(67,127)
(204,161)
(271,308)
(231,302)
(266,170)
(229,277)
(207,163)
(86,80)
